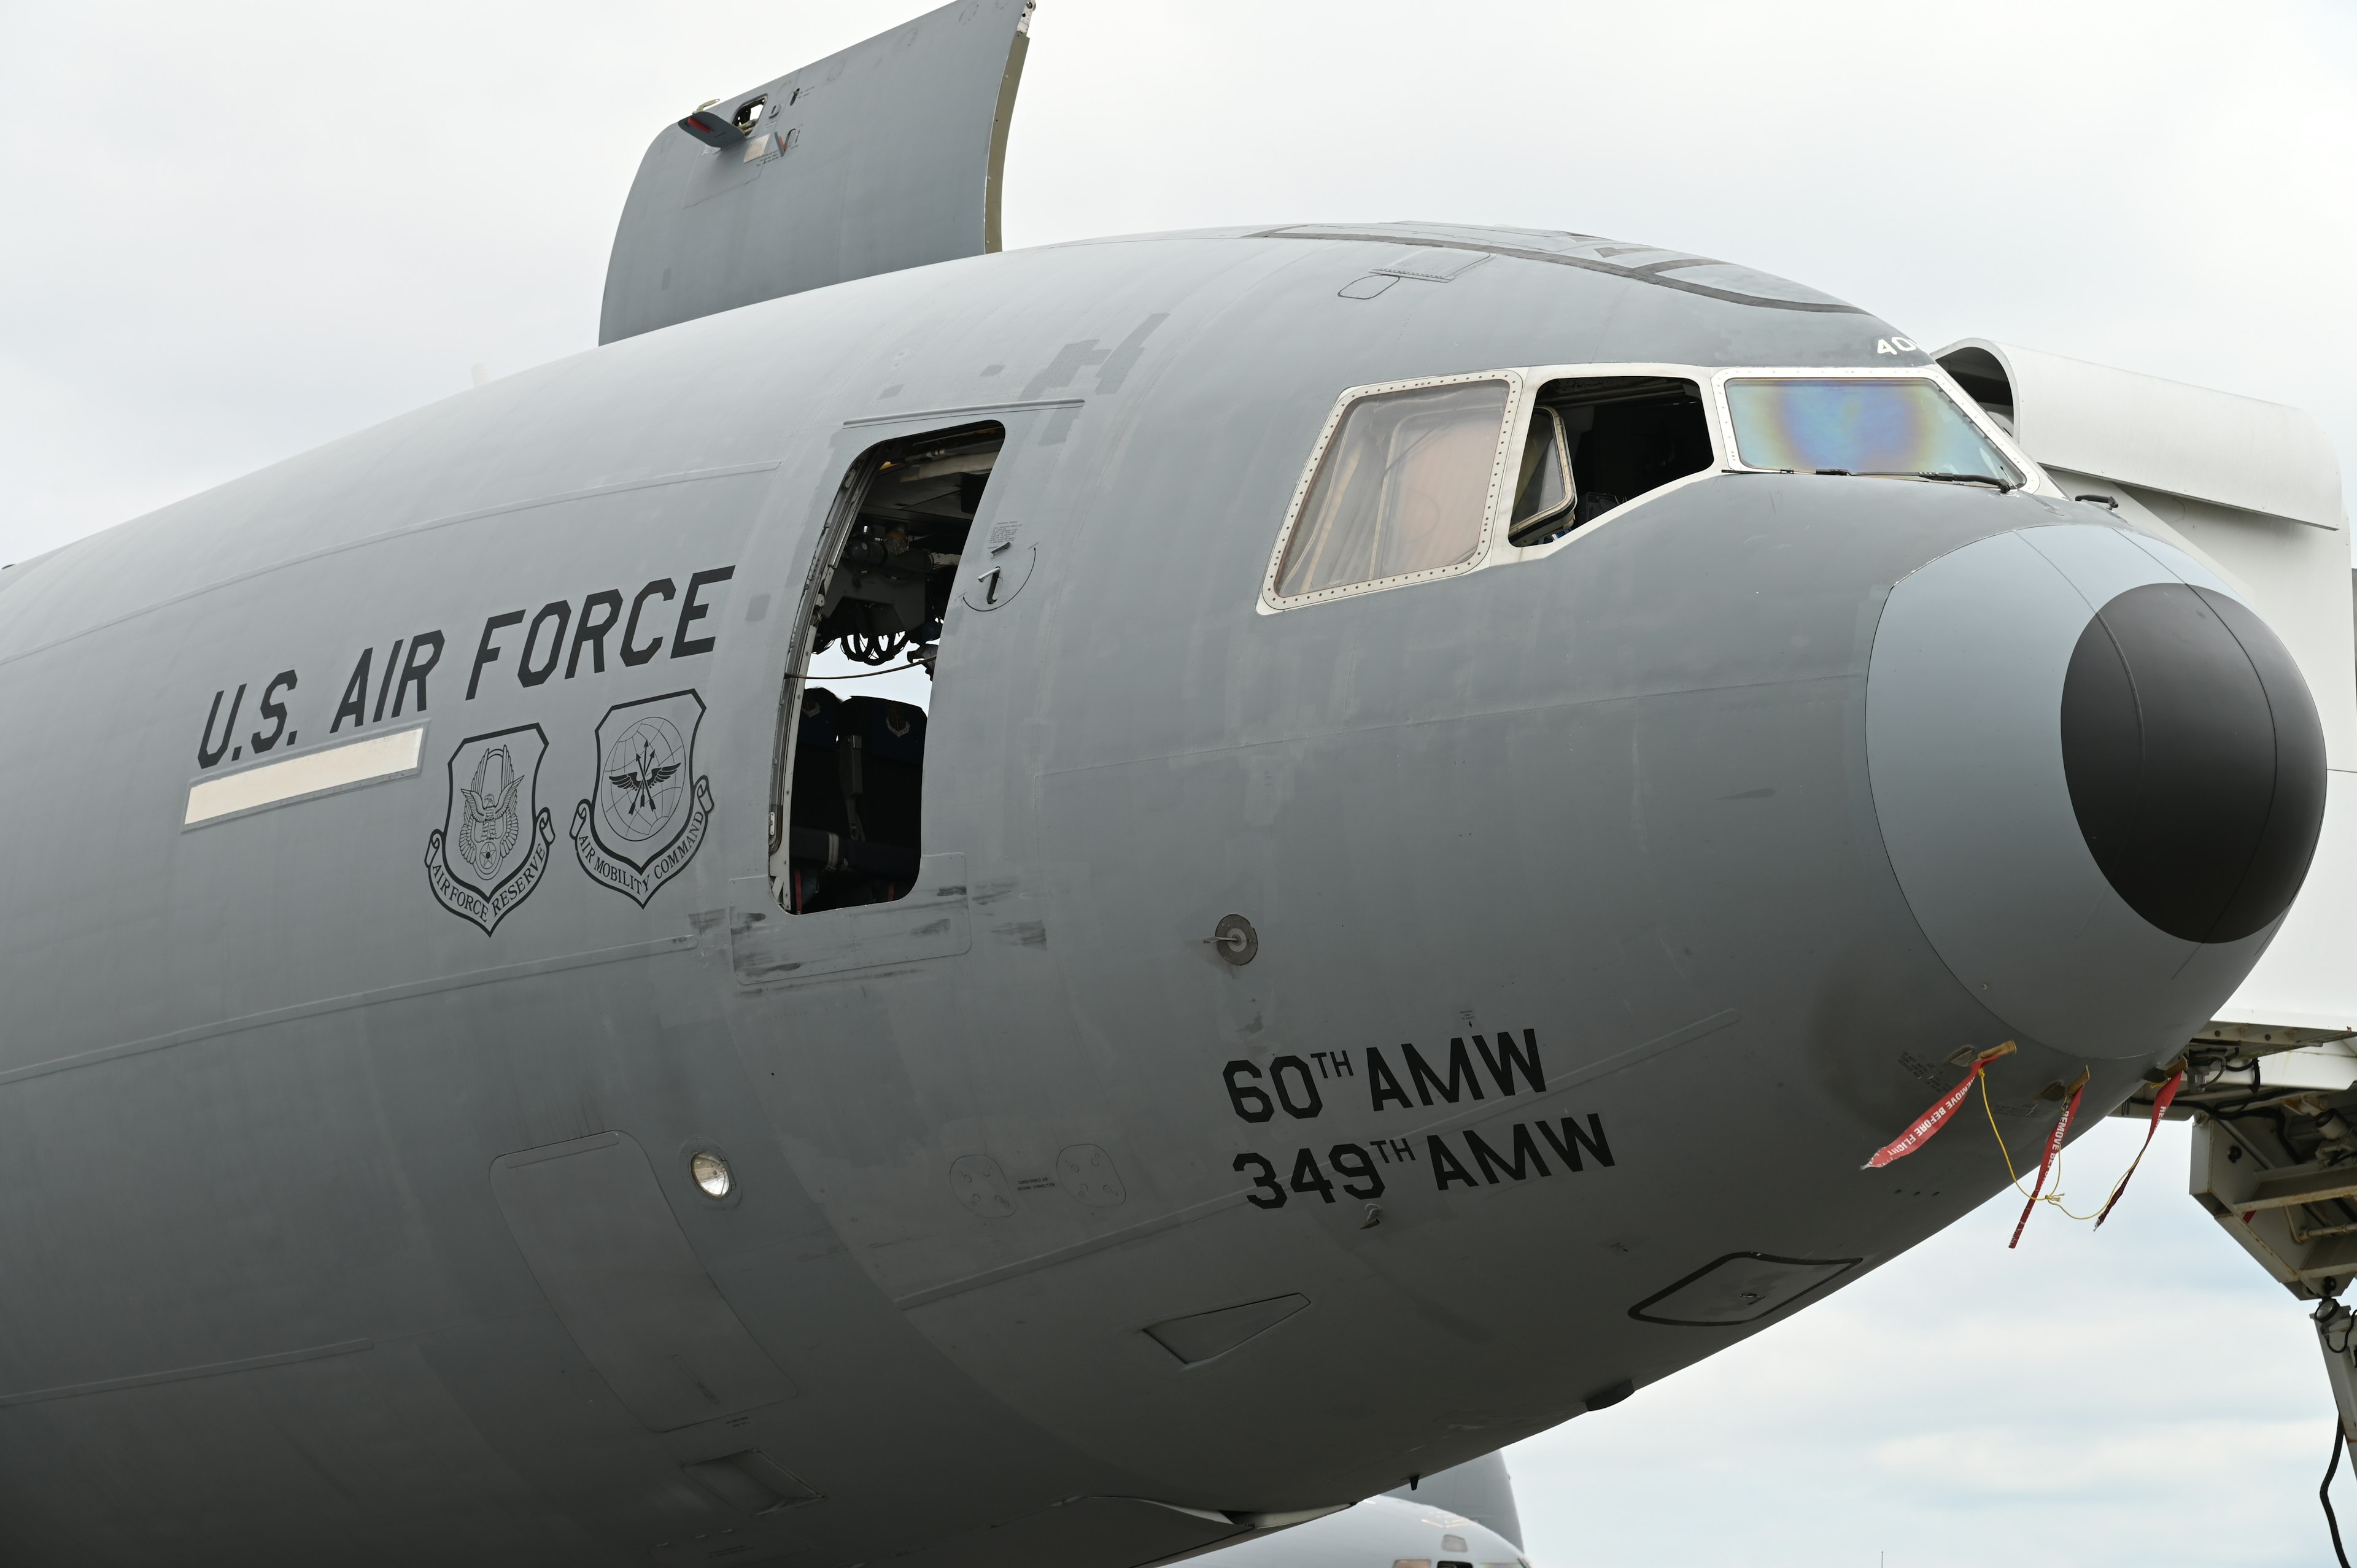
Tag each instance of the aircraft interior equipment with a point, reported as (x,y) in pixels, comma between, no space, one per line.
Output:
(1469,776)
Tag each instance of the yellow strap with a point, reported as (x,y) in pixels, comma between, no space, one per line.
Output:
(2009,1173)
(2054,1198)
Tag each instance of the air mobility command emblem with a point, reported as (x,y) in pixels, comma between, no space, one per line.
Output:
(648,810)
(493,844)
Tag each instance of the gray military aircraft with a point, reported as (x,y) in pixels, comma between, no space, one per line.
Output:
(1463,1518)
(1482,773)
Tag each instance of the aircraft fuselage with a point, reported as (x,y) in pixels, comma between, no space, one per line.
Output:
(349,1203)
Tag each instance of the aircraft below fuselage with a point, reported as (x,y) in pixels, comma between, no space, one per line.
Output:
(1471,776)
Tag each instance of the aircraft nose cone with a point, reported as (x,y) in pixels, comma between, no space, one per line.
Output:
(2195,761)
(2099,778)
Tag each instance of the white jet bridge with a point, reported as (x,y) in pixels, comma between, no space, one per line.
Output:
(2251,488)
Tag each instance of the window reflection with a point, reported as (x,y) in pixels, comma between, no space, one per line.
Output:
(1403,488)
(1852,424)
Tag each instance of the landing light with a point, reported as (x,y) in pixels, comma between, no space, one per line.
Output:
(711,1173)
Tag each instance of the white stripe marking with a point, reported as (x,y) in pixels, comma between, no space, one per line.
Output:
(313,773)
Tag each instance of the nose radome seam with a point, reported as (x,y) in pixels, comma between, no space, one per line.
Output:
(2136,712)
(1971,657)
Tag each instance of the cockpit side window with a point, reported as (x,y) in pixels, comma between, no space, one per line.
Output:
(1618,436)
(1401,489)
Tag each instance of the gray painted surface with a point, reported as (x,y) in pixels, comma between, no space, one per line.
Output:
(1377,1533)
(270,1294)
(591,1221)
(1480,1490)
(888,155)
(1966,753)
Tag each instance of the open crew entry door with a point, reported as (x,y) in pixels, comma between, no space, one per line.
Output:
(847,795)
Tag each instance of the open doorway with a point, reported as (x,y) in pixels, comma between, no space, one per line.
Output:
(846,805)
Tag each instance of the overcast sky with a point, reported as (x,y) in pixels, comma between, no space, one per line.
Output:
(235,231)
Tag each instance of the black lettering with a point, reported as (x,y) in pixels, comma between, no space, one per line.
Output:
(1526,1153)
(1360,1177)
(1404,1149)
(1308,1177)
(1252,1102)
(271,709)
(208,754)
(1445,1171)
(1573,1140)
(593,629)
(1381,1085)
(485,653)
(633,655)
(1319,1058)
(384,687)
(425,653)
(1312,1104)
(1460,1074)
(682,645)
(1342,1064)
(355,704)
(562,613)
(1507,1059)
(1264,1180)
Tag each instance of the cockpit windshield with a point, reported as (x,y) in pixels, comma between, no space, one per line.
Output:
(1856,425)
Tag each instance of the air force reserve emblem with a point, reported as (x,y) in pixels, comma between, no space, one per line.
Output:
(647,812)
(493,844)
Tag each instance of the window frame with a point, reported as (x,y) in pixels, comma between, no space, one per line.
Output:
(1570,502)
(1731,461)
(1714,427)
(1511,431)
(1525,381)
(1493,548)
